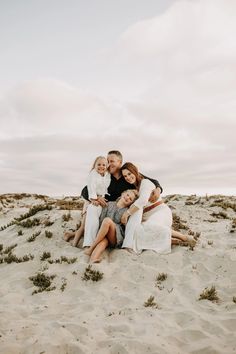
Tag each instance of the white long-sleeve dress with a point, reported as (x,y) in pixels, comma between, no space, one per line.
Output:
(97,184)
(154,232)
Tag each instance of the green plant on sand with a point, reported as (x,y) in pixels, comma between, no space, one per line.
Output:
(209,294)
(63,259)
(43,282)
(45,255)
(91,274)
(150,302)
(33,237)
(161,277)
(48,234)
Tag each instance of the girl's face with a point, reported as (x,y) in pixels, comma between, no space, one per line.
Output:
(128,197)
(128,176)
(101,166)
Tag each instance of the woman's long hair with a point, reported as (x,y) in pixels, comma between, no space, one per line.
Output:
(133,169)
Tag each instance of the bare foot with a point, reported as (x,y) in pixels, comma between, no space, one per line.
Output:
(68,235)
(88,251)
(176,242)
(191,240)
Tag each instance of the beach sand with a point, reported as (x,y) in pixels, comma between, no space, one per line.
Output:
(109,316)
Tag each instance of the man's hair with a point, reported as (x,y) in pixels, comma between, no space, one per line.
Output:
(117,153)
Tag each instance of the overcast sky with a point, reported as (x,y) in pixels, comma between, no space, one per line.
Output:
(155,79)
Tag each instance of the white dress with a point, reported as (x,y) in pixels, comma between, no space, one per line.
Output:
(97,184)
(154,232)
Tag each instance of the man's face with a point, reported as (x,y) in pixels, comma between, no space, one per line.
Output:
(114,163)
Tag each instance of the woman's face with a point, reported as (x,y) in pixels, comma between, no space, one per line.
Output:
(128,176)
(128,197)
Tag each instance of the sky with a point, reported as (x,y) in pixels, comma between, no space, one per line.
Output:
(154,79)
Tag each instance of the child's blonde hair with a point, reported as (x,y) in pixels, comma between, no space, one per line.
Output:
(96,160)
(134,191)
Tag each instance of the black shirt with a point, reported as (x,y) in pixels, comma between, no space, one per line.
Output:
(116,187)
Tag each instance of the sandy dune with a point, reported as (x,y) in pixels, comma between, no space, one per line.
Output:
(109,316)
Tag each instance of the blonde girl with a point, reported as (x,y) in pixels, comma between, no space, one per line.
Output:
(98,181)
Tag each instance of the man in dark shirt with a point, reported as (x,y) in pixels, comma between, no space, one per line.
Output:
(116,187)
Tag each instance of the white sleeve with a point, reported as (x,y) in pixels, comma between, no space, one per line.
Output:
(145,190)
(107,182)
(92,185)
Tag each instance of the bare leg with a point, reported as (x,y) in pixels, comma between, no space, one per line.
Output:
(99,249)
(185,238)
(79,233)
(176,241)
(68,235)
(107,229)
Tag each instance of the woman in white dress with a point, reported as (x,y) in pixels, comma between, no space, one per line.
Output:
(154,233)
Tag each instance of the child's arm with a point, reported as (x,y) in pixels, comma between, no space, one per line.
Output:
(92,186)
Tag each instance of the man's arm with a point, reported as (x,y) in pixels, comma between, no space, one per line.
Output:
(84,193)
(157,184)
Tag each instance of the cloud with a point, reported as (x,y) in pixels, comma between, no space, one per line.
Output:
(59,164)
(54,107)
(173,79)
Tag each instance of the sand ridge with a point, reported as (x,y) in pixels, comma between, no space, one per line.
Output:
(109,316)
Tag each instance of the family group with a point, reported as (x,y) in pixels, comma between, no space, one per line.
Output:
(124,209)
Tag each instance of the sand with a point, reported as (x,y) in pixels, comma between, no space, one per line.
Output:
(109,316)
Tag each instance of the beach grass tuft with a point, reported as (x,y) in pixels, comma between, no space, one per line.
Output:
(45,256)
(91,274)
(209,294)
(64,283)
(233,226)
(34,210)
(48,234)
(33,237)
(161,277)
(223,204)
(12,258)
(66,217)
(29,223)
(63,259)
(42,282)
(48,222)
(150,302)
(220,215)
(9,249)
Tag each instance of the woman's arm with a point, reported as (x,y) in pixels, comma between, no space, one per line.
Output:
(155,182)
(145,190)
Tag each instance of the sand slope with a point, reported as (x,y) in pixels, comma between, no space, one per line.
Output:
(109,316)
